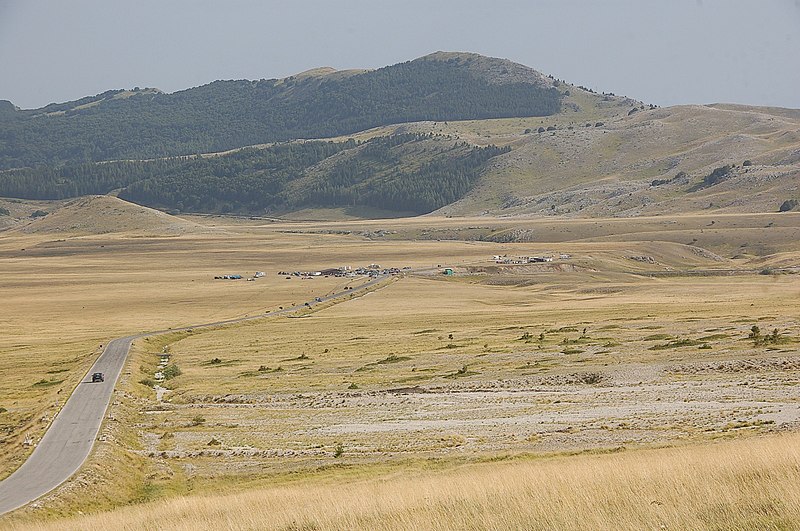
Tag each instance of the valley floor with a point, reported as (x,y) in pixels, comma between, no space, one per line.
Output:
(502,396)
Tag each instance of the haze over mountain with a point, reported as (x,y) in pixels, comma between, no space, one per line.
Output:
(141,124)
(454,131)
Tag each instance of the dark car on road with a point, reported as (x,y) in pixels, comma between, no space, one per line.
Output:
(98,377)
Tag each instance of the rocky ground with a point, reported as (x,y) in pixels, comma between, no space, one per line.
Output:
(620,406)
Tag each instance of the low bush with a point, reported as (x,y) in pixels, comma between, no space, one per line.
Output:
(171,371)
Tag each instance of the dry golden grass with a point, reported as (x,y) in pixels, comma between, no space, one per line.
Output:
(281,394)
(744,484)
(432,403)
(20,210)
(68,294)
(109,215)
(604,171)
(388,339)
(732,235)
(72,293)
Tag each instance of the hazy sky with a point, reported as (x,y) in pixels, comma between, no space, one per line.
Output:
(665,52)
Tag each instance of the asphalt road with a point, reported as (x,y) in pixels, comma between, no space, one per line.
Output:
(71,436)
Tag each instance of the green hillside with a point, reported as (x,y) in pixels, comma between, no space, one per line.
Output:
(412,173)
(145,123)
(410,138)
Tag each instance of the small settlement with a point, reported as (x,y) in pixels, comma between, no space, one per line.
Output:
(372,270)
(505,259)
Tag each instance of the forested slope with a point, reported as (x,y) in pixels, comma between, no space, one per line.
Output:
(408,172)
(145,123)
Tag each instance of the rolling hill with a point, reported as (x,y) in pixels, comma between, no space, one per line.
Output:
(105,214)
(713,158)
(143,124)
(452,133)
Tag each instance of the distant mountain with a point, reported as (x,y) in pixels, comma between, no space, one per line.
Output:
(146,123)
(654,161)
(454,133)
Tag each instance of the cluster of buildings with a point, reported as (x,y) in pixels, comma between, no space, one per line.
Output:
(257,274)
(372,270)
(505,259)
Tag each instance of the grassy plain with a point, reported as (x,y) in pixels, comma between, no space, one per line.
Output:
(742,484)
(429,399)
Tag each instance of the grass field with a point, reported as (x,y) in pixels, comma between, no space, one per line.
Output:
(477,400)
(742,484)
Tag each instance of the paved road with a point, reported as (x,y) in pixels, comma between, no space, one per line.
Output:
(68,441)
(70,438)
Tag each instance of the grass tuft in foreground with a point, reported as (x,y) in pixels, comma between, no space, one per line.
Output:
(742,484)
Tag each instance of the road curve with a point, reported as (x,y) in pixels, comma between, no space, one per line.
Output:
(68,441)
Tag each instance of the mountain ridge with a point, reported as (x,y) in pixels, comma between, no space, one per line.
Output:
(148,123)
(595,155)
(485,64)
